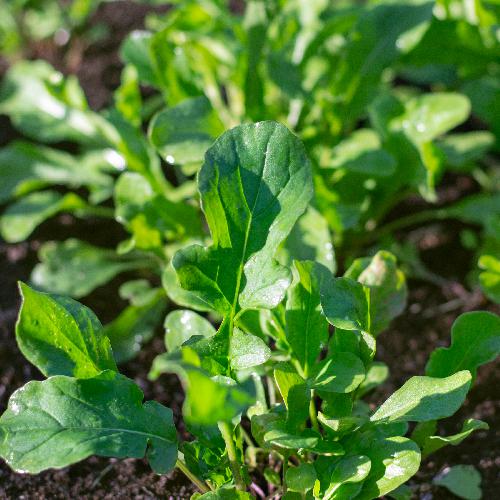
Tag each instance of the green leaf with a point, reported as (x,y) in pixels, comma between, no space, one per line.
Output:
(75,268)
(462,480)
(135,326)
(349,469)
(61,337)
(402,492)
(37,167)
(181,325)
(62,420)
(301,478)
(463,149)
(376,375)
(393,461)
(490,277)
(306,327)
(346,304)
(184,132)
(343,372)
(475,340)
(128,100)
(226,493)
(254,184)
(246,350)
(40,103)
(362,153)
(310,239)
(135,51)
(387,284)
(425,398)
(22,217)
(434,443)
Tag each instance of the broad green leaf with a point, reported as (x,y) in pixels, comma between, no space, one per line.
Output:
(22,217)
(359,343)
(434,443)
(376,375)
(246,350)
(151,217)
(254,184)
(463,149)
(25,167)
(387,286)
(402,492)
(342,372)
(75,268)
(209,400)
(61,337)
(128,99)
(181,325)
(225,493)
(346,304)
(135,326)
(38,101)
(362,153)
(481,209)
(475,340)
(306,327)
(310,239)
(135,52)
(183,133)
(286,377)
(462,480)
(393,461)
(425,398)
(349,469)
(301,478)
(62,420)
(490,277)
(428,116)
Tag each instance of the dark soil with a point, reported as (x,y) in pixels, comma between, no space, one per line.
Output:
(405,347)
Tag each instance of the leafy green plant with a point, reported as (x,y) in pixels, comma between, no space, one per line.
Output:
(275,390)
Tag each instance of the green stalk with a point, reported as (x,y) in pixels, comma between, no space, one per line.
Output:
(227,435)
(312,413)
(285,469)
(197,482)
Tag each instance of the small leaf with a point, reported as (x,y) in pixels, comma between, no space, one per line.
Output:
(181,325)
(75,268)
(22,217)
(246,350)
(349,469)
(425,398)
(345,304)
(343,372)
(376,375)
(475,340)
(226,493)
(461,150)
(387,286)
(183,133)
(61,337)
(462,480)
(62,420)
(490,277)
(301,478)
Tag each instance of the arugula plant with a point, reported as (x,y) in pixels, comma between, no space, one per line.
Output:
(275,390)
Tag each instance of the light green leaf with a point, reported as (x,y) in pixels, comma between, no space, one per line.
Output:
(22,217)
(254,184)
(463,149)
(301,478)
(225,493)
(342,372)
(135,326)
(135,51)
(62,420)
(39,102)
(393,461)
(490,277)
(387,284)
(128,99)
(362,153)
(61,337)
(475,340)
(306,327)
(349,469)
(246,350)
(75,268)
(434,443)
(376,375)
(425,398)
(462,480)
(346,304)
(181,325)
(184,132)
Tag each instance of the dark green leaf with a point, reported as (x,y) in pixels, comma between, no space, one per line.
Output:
(301,478)
(343,372)
(462,480)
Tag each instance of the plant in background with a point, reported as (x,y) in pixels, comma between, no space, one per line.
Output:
(275,391)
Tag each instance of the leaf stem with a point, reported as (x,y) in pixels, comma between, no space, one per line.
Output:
(227,435)
(312,413)
(198,482)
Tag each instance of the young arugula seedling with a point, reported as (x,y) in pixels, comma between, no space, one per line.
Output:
(283,374)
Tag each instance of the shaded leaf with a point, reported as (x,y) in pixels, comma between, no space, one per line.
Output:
(462,480)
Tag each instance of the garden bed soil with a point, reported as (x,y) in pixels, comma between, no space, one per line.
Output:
(405,347)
